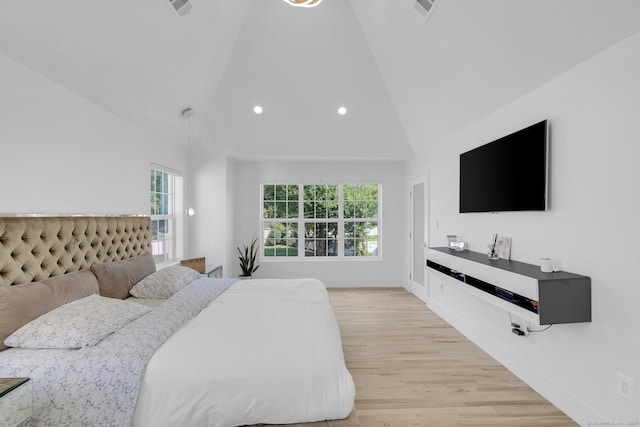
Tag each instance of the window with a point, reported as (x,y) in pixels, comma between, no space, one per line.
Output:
(361,220)
(321,212)
(166,218)
(320,221)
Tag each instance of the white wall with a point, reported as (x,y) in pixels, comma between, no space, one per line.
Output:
(388,271)
(231,257)
(211,227)
(60,153)
(592,228)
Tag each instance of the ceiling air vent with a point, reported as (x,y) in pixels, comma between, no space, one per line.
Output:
(425,7)
(180,7)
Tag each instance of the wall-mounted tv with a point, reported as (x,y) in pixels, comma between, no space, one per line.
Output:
(508,174)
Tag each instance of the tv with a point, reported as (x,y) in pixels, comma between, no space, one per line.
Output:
(508,174)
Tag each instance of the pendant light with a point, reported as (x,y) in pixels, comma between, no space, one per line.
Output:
(303,3)
(186,114)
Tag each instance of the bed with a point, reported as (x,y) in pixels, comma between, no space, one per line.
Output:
(150,348)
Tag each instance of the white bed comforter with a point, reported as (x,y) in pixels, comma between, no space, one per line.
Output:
(265,351)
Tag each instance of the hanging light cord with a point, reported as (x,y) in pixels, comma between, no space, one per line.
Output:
(186,114)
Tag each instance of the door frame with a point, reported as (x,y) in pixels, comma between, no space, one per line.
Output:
(421,291)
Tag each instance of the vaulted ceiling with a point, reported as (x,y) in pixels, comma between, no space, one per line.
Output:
(405,81)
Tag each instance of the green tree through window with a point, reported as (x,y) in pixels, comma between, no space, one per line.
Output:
(361,210)
(339,220)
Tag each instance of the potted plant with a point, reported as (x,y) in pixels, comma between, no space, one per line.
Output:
(247,257)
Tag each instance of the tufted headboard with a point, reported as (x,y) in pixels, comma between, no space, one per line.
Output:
(35,248)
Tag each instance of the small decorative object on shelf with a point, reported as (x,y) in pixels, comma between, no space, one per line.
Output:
(546,265)
(504,247)
(455,244)
(458,246)
(493,253)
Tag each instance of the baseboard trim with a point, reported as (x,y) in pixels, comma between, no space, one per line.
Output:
(350,283)
(576,409)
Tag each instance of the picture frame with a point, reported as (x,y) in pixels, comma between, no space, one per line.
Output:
(503,247)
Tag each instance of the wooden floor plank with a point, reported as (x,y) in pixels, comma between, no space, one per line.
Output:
(411,368)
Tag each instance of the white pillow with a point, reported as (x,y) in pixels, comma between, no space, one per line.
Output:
(80,323)
(164,283)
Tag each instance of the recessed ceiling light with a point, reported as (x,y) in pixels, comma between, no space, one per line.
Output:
(257,109)
(342,111)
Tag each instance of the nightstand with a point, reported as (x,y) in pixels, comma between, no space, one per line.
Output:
(16,396)
(215,271)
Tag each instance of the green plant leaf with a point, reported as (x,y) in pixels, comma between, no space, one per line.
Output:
(247,257)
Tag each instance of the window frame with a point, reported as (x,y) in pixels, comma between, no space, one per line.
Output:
(302,221)
(174,244)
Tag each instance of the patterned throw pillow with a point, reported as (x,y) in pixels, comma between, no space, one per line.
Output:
(164,283)
(80,323)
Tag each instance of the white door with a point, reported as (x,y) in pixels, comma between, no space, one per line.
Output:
(418,194)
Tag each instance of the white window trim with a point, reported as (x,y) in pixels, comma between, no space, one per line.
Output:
(177,217)
(301,222)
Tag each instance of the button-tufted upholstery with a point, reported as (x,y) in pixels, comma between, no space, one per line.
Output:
(35,248)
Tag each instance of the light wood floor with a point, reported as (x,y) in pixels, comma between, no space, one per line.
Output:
(411,368)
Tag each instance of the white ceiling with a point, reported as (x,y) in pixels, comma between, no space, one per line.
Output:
(405,81)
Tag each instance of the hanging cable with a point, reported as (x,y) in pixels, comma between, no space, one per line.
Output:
(531,331)
(516,329)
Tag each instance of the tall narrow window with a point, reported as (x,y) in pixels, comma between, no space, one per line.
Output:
(321,212)
(319,221)
(166,207)
(280,233)
(361,220)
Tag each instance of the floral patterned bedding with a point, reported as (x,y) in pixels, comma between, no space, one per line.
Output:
(99,385)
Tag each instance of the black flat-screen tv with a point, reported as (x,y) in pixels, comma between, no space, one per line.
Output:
(508,174)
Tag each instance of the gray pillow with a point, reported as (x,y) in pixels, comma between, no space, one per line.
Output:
(116,278)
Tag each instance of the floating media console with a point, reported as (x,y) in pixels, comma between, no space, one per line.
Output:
(520,288)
